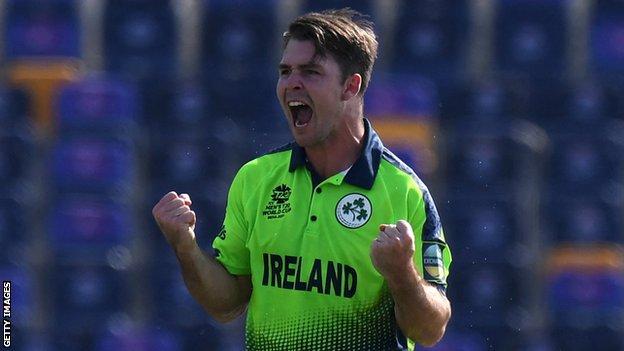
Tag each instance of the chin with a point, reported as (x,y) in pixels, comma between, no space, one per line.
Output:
(302,140)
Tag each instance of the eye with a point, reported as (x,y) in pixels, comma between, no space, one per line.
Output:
(284,71)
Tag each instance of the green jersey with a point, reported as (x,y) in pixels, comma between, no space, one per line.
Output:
(306,244)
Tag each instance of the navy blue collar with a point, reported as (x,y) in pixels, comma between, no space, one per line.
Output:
(363,171)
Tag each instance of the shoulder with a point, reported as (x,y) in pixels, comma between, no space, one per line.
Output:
(397,171)
(277,159)
(418,192)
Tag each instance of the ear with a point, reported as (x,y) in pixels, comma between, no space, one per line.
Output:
(352,86)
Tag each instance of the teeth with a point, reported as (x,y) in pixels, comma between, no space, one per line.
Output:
(296,103)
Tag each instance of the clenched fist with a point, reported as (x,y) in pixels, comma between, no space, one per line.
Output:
(393,250)
(176,220)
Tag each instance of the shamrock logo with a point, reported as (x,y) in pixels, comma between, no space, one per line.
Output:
(353,210)
(356,209)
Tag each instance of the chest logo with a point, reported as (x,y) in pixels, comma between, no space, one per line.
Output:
(278,206)
(353,210)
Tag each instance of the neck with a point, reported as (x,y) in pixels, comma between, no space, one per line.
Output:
(340,150)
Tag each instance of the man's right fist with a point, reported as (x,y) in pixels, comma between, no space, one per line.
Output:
(176,220)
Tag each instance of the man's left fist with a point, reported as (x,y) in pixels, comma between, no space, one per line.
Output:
(393,250)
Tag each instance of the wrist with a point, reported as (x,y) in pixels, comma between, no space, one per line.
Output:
(186,248)
(405,274)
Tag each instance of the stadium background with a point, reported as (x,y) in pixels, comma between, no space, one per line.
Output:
(511,111)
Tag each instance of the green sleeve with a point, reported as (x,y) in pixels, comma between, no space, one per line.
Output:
(230,245)
(432,257)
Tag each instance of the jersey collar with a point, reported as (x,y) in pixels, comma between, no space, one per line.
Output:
(363,171)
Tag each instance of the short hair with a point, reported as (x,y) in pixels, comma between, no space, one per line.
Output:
(343,33)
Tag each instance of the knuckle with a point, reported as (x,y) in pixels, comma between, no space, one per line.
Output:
(402,224)
(169,196)
(158,215)
(177,203)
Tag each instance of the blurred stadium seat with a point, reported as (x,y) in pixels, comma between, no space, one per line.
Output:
(489,229)
(585,219)
(531,37)
(366,7)
(578,162)
(585,287)
(183,164)
(84,229)
(236,34)
(23,294)
(168,287)
(140,39)
(15,162)
(487,101)
(14,110)
(460,340)
(239,53)
(606,35)
(431,38)
(405,113)
(41,78)
(41,29)
(86,296)
(13,233)
(139,339)
(99,106)
(403,95)
(484,161)
(92,164)
(184,106)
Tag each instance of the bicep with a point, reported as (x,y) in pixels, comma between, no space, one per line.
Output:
(242,294)
(244,286)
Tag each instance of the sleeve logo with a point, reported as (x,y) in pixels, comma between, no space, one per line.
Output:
(278,206)
(353,210)
(433,262)
(222,233)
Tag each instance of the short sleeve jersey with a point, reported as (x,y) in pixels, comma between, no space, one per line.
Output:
(307,248)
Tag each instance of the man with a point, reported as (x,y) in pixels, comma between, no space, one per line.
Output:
(331,242)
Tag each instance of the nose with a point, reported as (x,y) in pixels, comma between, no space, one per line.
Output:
(293,82)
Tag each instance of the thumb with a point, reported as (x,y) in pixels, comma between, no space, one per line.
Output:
(193,220)
(188,219)
(403,226)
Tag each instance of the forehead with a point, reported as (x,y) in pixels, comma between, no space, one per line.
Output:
(300,52)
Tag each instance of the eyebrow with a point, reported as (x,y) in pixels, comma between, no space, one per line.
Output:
(307,65)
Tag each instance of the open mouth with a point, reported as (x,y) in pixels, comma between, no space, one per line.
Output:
(301,113)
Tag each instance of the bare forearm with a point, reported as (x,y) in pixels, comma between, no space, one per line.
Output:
(422,312)
(222,295)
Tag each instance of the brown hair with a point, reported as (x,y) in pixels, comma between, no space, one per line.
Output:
(344,34)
